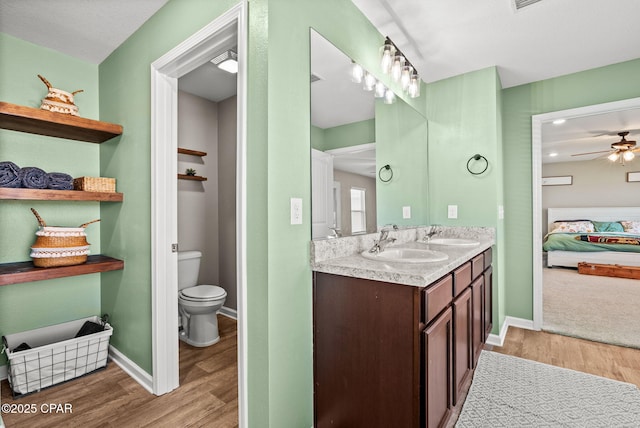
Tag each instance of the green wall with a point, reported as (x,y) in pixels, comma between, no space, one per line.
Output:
(401,134)
(464,119)
(612,83)
(31,305)
(125,98)
(350,134)
(278,158)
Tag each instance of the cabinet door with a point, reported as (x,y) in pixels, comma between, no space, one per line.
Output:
(462,342)
(488,302)
(477,300)
(438,372)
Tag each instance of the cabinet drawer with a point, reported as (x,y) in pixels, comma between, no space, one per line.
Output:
(477,266)
(461,278)
(488,258)
(437,297)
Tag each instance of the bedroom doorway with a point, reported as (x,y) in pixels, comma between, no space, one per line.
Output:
(540,123)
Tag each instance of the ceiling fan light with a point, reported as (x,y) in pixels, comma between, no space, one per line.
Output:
(628,155)
(613,156)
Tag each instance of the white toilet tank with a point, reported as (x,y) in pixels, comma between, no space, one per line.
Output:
(188,268)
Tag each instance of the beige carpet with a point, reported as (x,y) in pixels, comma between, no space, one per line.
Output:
(597,308)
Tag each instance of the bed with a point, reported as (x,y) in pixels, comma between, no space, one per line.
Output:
(604,242)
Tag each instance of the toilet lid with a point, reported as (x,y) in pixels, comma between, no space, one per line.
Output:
(204,292)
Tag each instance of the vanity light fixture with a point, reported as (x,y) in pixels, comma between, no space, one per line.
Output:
(357,72)
(227,61)
(370,83)
(395,63)
(380,90)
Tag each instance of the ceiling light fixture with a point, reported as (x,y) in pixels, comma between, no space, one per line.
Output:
(227,61)
(395,63)
(559,121)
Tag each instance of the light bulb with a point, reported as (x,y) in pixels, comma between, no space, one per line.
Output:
(380,89)
(357,73)
(628,155)
(389,97)
(396,68)
(414,86)
(386,57)
(405,77)
(369,81)
(613,156)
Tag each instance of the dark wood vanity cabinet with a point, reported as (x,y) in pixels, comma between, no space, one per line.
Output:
(392,355)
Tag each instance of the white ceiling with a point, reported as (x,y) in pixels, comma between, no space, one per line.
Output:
(86,29)
(588,134)
(444,38)
(441,38)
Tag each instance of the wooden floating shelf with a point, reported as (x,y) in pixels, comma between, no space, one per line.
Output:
(191,152)
(191,177)
(58,195)
(19,272)
(52,124)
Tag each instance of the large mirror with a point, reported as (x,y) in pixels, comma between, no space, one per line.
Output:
(354,136)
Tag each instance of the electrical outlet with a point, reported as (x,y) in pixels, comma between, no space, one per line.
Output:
(452,211)
(296,211)
(406,212)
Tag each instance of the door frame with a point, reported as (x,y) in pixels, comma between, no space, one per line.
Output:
(536,167)
(165,71)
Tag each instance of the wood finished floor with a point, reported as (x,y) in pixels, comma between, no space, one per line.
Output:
(207,397)
(610,361)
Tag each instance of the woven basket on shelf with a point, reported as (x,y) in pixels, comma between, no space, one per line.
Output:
(59,246)
(95,184)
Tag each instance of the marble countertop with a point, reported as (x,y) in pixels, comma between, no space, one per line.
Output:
(347,261)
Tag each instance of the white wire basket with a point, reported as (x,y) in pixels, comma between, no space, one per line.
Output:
(54,354)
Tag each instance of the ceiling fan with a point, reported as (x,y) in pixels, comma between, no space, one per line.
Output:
(623,150)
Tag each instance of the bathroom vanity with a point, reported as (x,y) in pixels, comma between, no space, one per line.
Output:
(395,343)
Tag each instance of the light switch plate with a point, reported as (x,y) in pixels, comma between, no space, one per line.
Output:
(296,210)
(501,212)
(452,211)
(406,212)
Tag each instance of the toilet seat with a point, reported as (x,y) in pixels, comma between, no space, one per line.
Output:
(201,293)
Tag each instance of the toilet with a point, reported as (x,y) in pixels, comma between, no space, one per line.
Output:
(197,304)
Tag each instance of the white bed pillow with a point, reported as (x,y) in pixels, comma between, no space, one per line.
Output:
(631,226)
(584,226)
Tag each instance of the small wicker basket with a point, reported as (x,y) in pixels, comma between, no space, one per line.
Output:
(95,184)
(59,246)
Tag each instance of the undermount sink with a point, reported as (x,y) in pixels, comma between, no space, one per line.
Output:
(406,255)
(459,242)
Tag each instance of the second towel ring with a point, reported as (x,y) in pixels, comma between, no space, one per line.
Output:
(386,168)
(477,157)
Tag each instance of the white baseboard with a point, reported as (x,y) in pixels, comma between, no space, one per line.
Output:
(228,312)
(498,339)
(3,372)
(132,369)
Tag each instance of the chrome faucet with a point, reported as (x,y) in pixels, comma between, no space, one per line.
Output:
(433,231)
(384,240)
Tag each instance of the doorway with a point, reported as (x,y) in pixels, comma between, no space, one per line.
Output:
(184,58)
(537,122)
